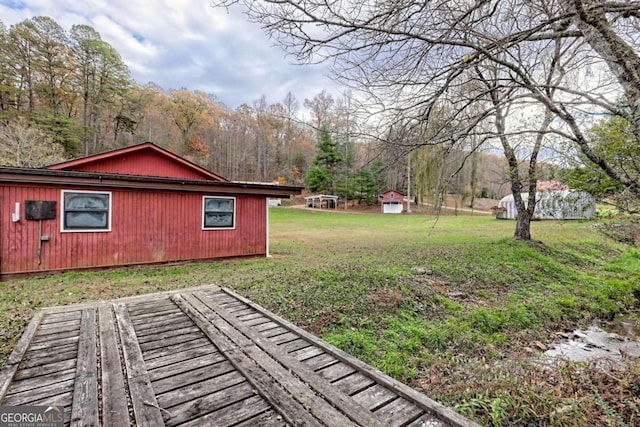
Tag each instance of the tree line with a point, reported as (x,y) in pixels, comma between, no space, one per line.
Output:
(65,94)
(68,93)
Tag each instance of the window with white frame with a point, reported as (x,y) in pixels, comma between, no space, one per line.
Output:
(218,212)
(85,211)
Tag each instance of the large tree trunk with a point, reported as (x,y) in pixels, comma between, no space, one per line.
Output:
(524,211)
(523,225)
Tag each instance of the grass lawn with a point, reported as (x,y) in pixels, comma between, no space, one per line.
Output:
(454,307)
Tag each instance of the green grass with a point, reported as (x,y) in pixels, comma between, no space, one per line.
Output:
(449,306)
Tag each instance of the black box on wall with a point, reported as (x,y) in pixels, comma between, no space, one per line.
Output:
(40,209)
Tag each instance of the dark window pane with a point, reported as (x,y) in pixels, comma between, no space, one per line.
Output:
(86,220)
(81,201)
(218,220)
(218,205)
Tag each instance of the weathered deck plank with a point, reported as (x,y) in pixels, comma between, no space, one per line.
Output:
(320,361)
(143,399)
(140,318)
(114,408)
(354,383)
(177,357)
(233,304)
(31,395)
(43,353)
(84,409)
(251,316)
(273,392)
(7,374)
(192,376)
(192,391)
(195,363)
(161,342)
(167,320)
(167,330)
(374,397)
(283,338)
(175,348)
(336,371)
(435,409)
(273,333)
(295,345)
(33,383)
(194,408)
(264,327)
(265,419)
(58,343)
(241,411)
(257,321)
(49,331)
(45,370)
(33,359)
(55,400)
(64,316)
(398,412)
(427,420)
(55,336)
(204,357)
(153,306)
(330,395)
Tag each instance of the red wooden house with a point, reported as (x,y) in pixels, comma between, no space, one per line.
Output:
(135,205)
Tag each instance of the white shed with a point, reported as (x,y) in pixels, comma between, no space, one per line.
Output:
(392,202)
(553,204)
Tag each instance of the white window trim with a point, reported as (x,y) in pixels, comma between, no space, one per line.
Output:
(235,208)
(86,230)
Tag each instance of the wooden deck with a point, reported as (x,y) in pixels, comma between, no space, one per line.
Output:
(200,357)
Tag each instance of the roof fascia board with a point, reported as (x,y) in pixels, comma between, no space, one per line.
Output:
(65,178)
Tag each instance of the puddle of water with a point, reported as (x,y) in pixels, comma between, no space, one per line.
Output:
(623,326)
(615,346)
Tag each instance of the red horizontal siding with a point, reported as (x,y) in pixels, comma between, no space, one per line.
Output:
(147,227)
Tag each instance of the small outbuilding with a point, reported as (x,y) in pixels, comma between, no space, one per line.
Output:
(321,201)
(552,204)
(392,202)
(135,205)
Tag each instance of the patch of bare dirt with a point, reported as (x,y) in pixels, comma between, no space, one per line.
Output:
(385,299)
(435,285)
(318,323)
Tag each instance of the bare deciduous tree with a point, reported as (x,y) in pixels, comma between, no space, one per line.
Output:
(25,146)
(321,108)
(417,58)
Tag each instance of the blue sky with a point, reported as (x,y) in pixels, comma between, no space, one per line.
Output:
(186,43)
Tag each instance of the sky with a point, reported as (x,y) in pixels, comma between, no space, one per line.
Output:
(187,44)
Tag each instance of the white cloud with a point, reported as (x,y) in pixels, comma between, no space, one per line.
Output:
(186,43)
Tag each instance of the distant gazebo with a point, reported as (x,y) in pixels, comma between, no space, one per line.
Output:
(321,201)
(392,202)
